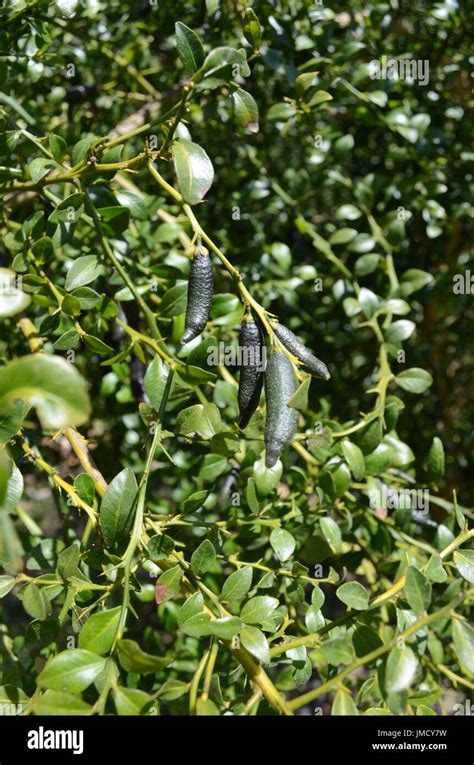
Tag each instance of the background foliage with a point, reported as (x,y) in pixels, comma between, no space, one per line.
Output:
(151,565)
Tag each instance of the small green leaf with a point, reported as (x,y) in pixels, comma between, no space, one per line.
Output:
(338,651)
(283,544)
(189,47)
(353,594)
(35,602)
(203,557)
(464,562)
(258,610)
(226,627)
(237,584)
(68,561)
(133,659)
(343,704)
(255,642)
(159,547)
(299,399)
(252,29)
(400,670)
(83,271)
(436,460)
(155,381)
(57,146)
(193,169)
(198,626)
(130,701)
(168,584)
(116,510)
(97,634)
(7,584)
(463,638)
(417,590)
(354,458)
(331,533)
(434,569)
(246,110)
(53,703)
(414,380)
(72,670)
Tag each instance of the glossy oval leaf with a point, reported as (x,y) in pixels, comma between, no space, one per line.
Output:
(193,169)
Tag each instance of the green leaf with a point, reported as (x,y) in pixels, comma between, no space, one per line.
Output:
(400,670)
(116,514)
(159,547)
(252,29)
(246,110)
(7,584)
(226,627)
(266,479)
(218,65)
(193,169)
(174,301)
(130,701)
(35,602)
(83,271)
(354,458)
(68,561)
(353,594)
(41,167)
(299,399)
(237,584)
(436,460)
(464,562)
(155,381)
(337,651)
(133,659)
(52,703)
(57,147)
(463,638)
(331,533)
(414,380)
(343,704)
(195,501)
(399,331)
(97,634)
(283,544)
(255,642)
(314,619)
(258,610)
(12,697)
(434,569)
(203,558)
(168,584)
(206,707)
(417,590)
(190,607)
(51,384)
(365,640)
(205,420)
(189,47)
(197,626)
(72,670)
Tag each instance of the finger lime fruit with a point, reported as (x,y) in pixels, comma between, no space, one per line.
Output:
(200,292)
(251,370)
(302,353)
(281,420)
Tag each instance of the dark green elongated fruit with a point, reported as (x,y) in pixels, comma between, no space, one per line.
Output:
(296,347)
(281,422)
(251,370)
(200,292)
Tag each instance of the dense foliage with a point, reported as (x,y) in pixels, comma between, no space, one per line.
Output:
(152,563)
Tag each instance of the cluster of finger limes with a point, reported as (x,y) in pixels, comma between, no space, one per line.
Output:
(279,374)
